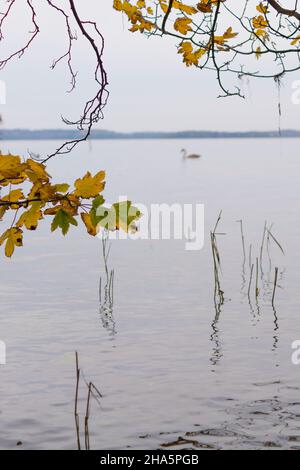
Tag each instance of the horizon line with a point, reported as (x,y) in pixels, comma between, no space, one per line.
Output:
(105,134)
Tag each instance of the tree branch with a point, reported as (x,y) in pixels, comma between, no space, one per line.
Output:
(284,11)
(93,108)
(163,26)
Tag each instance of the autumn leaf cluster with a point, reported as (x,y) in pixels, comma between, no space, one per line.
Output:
(28,195)
(221,35)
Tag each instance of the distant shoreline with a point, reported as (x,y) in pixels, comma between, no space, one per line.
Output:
(61,134)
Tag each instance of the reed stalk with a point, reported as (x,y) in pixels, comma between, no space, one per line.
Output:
(275,285)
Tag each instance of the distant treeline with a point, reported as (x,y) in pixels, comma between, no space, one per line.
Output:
(62,134)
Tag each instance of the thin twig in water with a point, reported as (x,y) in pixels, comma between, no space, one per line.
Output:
(217,223)
(262,247)
(108,287)
(92,392)
(250,256)
(250,281)
(256,284)
(86,419)
(76,403)
(243,239)
(275,286)
(276,241)
(218,292)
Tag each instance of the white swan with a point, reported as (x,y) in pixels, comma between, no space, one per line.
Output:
(192,155)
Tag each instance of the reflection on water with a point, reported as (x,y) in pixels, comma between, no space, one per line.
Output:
(215,339)
(261,424)
(276,328)
(106,289)
(108,321)
(263,291)
(178,366)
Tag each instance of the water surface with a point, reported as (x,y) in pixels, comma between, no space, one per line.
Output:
(174,371)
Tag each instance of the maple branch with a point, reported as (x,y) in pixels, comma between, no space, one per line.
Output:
(18,53)
(284,11)
(93,109)
(217,67)
(26,202)
(68,53)
(204,46)
(163,26)
(4,16)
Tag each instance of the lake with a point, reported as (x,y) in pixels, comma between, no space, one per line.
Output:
(175,370)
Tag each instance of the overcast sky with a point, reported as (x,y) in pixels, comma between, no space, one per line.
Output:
(150,88)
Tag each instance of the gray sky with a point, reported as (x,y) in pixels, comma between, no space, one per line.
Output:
(150,88)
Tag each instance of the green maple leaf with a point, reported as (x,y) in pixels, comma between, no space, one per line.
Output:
(63,220)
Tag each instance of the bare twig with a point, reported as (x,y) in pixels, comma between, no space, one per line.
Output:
(77,424)
(276,241)
(92,392)
(93,109)
(250,281)
(256,284)
(262,247)
(86,419)
(243,239)
(275,285)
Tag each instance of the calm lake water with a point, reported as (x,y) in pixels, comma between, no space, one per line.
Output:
(174,372)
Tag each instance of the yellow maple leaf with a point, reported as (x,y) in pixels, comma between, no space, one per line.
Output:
(62,187)
(219,40)
(144,25)
(132,11)
(295,41)
(13,238)
(262,8)
(190,57)
(259,22)
(3,209)
(182,25)
(14,196)
(87,220)
(118,5)
(229,33)
(11,168)
(36,171)
(185,47)
(68,204)
(206,5)
(262,33)
(90,186)
(189,10)
(44,191)
(163,5)
(31,217)
(258,53)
